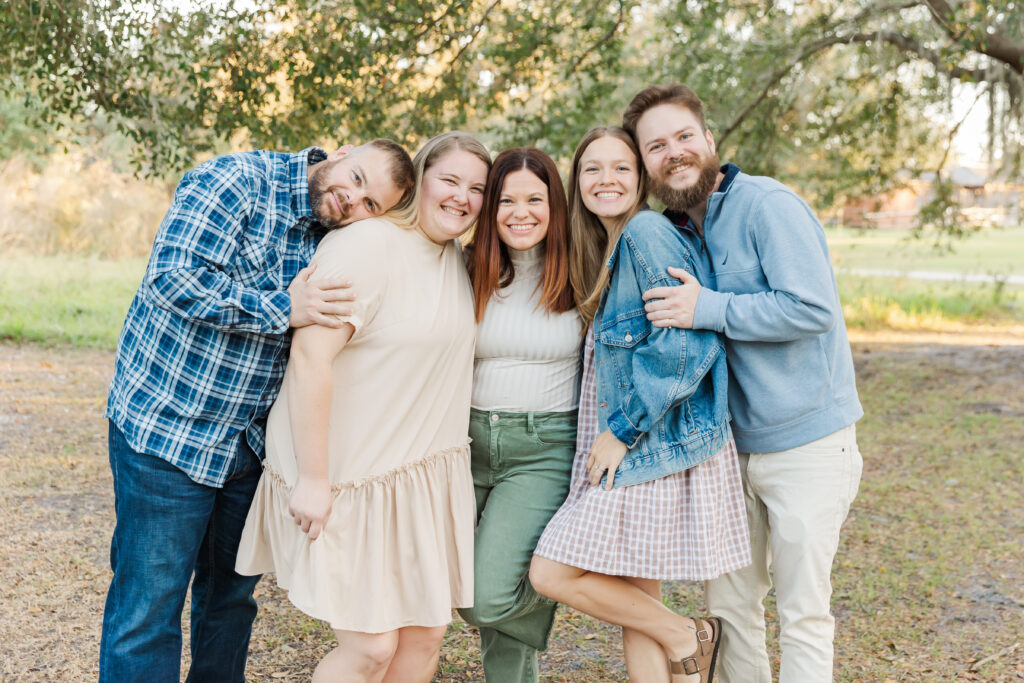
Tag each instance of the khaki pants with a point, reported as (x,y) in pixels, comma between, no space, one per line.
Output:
(796,502)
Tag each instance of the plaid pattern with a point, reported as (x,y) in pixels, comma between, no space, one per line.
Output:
(202,353)
(689,525)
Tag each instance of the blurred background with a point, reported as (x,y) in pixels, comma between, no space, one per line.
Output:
(901,123)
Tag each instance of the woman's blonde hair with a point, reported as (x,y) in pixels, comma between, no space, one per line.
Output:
(592,242)
(407,214)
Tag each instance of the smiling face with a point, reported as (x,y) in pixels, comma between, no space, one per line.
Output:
(523,210)
(451,195)
(679,155)
(608,177)
(352,184)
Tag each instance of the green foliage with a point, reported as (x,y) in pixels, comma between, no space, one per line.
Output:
(286,71)
(899,303)
(20,131)
(840,98)
(836,98)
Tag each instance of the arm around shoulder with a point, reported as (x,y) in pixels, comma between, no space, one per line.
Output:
(797,297)
(357,253)
(667,363)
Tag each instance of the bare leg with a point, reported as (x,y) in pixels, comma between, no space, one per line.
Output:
(358,658)
(415,659)
(646,661)
(617,601)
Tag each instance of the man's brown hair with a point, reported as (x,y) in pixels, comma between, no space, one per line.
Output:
(402,173)
(653,95)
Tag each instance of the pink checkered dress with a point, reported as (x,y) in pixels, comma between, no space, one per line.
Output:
(689,525)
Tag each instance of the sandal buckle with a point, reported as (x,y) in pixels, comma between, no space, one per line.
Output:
(687,665)
(690,666)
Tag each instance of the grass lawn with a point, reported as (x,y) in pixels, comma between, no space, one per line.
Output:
(992,251)
(927,582)
(82,301)
(73,300)
(929,572)
(901,303)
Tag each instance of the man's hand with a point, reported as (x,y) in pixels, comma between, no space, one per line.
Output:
(316,302)
(310,505)
(673,306)
(605,456)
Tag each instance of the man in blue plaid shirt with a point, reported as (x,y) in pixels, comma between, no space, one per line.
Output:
(199,362)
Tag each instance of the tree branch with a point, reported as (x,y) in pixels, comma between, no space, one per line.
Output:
(954,131)
(476,32)
(998,45)
(904,43)
(602,40)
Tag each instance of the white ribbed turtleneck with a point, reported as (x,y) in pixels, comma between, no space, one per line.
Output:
(527,359)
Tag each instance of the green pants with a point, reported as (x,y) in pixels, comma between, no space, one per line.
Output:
(522,464)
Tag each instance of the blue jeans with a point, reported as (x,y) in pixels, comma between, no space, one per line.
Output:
(169,527)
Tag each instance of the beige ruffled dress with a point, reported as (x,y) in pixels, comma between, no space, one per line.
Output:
(397,549)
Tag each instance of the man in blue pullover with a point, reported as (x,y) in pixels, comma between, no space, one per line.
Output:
(792,393)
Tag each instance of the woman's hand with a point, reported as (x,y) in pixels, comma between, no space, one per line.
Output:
(310,504)
(605,456)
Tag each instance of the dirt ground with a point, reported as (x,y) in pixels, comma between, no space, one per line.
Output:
(951,611)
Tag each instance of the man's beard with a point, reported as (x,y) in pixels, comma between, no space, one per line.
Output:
(318,191)
(693,195)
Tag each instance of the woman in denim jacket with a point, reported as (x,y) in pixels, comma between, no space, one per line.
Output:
(653,427)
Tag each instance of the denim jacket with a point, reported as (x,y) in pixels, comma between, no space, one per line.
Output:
(661,390)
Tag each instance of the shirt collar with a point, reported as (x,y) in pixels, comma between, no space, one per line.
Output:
(730,171)
(298,168)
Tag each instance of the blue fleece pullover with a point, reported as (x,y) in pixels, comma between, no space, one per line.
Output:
(790,369)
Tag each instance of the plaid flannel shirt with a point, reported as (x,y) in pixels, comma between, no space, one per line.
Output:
(203,350)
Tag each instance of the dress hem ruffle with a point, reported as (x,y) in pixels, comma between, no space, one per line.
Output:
(396,550)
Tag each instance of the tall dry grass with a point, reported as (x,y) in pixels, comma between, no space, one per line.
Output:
(78,204)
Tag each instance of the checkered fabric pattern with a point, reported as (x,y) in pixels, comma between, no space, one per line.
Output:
(202,353)
(690,525)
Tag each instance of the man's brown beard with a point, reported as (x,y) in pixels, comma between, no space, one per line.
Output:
(318,195)
(688,197)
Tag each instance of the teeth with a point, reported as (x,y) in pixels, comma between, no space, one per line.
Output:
(520,228)
(678,167)
(608,195)
(454,212)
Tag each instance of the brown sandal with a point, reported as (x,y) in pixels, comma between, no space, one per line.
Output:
(702,660)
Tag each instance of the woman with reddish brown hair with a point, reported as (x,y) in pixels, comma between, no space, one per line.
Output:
(525,393)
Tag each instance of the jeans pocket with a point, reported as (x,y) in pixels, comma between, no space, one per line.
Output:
(557,436)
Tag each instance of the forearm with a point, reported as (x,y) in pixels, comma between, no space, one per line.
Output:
(208,297)
(771,316)
(197,270)
(311,387)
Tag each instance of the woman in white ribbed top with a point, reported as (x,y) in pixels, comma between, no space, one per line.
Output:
(526,359)
(525,392)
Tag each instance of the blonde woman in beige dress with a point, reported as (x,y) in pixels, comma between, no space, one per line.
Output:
(365,511)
